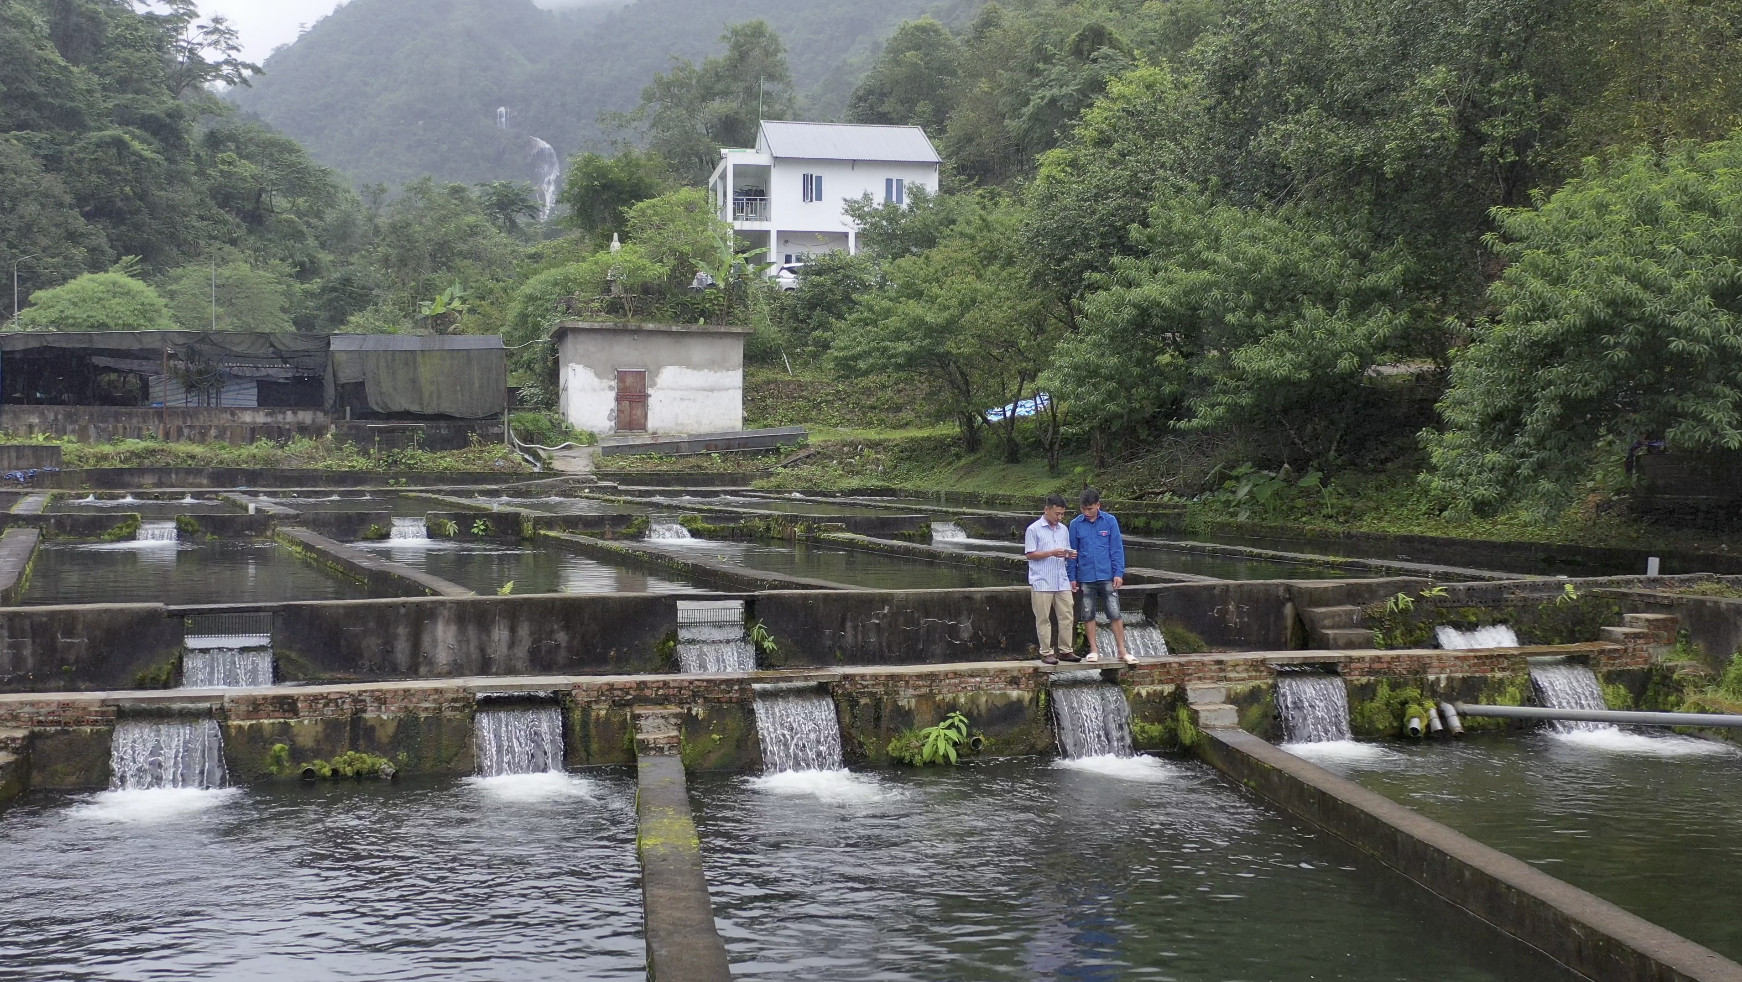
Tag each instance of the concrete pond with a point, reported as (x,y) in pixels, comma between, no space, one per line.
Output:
(564,730)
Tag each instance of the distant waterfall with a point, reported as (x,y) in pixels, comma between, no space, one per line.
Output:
(1142,638)
(1492,636)
(519,739)
(1090,717)
(1314,707)
(1567,685)
(409,528)
(798,728)
(711,637)
(221,667)
(947,532)
(547,167)
(155,532)
(167,753)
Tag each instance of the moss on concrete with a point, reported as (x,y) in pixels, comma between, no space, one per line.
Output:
(70,757)
(161,675)
(720,737)
(1563,619)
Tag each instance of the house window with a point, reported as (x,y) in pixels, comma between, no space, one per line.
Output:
(813,187)
(894,191)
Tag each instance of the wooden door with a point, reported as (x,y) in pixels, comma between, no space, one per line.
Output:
(631,400)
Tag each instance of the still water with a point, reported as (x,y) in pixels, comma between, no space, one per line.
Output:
(525,878)
(399,505)
(485,567)
(1650,823)
(1109,869)
(203,571)
(854,567)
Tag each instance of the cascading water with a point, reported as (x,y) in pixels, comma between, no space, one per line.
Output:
(1314,707)
(948,532)
(547,167)
(167,753)
(798,728)
(711,637)
(667,532)
(1491,636)
(518,738)
(1090,717)
(155,532)
(1566,685)
(220,667)
(1142,638)
(409,528)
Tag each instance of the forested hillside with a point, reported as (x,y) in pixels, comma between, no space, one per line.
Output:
(386,91)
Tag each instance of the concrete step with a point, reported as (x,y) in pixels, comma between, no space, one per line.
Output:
(1624,635)
(658,731)
(1662,628)
(1347,638)
(1215,715)
(1205,693)
(1329,618)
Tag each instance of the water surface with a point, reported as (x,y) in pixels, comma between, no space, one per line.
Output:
(1650,823)
(1020,871)
(854,567)
(485,567)
(200,571)
(521,878)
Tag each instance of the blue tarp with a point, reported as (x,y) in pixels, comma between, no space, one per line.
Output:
(1027,407)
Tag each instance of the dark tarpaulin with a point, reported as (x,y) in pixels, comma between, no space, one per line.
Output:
(302,351)
(462,375)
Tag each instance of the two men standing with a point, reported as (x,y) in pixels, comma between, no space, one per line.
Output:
(1087,557)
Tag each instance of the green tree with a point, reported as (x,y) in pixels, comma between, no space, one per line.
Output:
(914,81)
(1617,321)
(692,111)
(678,231)
(110,301)
(959,317)
(507,203)
(599,188)
(248,297)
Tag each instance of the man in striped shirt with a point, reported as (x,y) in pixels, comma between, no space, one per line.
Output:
(1047,545)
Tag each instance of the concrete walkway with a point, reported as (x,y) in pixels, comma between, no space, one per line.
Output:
(575,460)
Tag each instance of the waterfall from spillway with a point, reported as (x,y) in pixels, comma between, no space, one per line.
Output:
(947,532)
(1566,685)
(1492,636)
(519,739)
(409,528)
(798,728)
(1314,707)
(1142,638)
(667,532)
(219,666)
(1090,717)
(155,532)
(167,753)
(711,637)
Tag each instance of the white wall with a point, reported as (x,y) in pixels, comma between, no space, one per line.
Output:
(843,181)
(695,380)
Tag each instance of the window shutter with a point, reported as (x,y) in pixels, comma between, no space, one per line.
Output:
(900,191)
(807,187)
(817,188)
(888,189)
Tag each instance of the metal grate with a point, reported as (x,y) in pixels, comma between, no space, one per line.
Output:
(710,611)
(239,629)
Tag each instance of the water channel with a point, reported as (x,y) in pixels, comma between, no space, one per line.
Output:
(203,571)
(1650,823)
(854,567)
(529,878)
(485,567)
(1030,870)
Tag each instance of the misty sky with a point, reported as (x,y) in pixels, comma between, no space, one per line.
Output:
(266,24)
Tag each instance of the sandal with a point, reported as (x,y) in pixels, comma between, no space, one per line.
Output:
(1092,657)
(1130,659)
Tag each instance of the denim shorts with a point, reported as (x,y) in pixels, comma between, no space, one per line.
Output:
(1100,593)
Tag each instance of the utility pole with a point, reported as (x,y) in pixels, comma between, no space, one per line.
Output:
(15,264)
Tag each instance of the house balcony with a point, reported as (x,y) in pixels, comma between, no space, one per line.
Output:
(750,208)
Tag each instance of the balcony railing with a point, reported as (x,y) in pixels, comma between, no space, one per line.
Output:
(746,209)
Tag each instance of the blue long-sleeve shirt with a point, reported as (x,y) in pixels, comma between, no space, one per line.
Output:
(1100,549)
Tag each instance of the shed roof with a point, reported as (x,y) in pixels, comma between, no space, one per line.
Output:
(415,342)
(848,141)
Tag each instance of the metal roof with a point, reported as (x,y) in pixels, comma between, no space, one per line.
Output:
(416,342)
(848,141)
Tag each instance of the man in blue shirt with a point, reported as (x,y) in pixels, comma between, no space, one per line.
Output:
(1097,571)
(1047,545)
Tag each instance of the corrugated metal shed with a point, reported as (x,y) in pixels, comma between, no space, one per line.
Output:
(415,342)
(848,141)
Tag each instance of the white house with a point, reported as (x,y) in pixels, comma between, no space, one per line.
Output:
(789,194)
(619,378)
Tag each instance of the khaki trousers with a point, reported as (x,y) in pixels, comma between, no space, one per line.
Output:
(1048,605)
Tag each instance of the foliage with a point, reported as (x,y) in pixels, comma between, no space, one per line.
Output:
(376,532)
(763,641)
(278,760)
(1181,640)
(1730,684)
(913,81)
(1615,324)
(1382,714)
(322,454)
(444,528)
(246,296)
(934,745)
(124,530)
(599,189)
(547,429)
(505,589)
(482,527)
(97,302)
(188,525)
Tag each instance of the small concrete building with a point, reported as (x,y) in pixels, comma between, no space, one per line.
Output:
(651,378)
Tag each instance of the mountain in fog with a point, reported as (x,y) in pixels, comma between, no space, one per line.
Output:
(389,90)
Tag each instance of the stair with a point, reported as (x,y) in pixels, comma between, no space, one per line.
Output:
(1336,628)
(1345,639)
